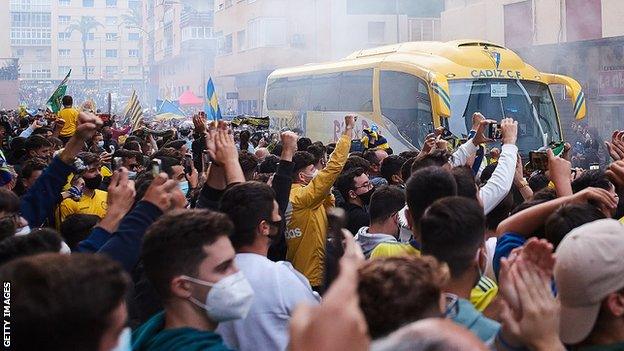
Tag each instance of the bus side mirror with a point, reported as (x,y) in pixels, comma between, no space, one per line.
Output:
(574,92)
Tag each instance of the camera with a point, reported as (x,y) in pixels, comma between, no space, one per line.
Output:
(494,131)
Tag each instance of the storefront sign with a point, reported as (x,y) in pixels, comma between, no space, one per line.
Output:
(611,83)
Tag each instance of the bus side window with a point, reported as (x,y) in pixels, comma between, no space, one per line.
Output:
(405,101)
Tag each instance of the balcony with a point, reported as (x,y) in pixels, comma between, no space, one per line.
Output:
(196,19)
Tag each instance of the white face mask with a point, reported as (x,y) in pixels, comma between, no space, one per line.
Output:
(23,230)
(100,143)
(124,342)
(230,298)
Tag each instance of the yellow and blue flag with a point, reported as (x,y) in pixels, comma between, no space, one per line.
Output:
(212,103)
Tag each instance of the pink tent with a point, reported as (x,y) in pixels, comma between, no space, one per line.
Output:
(188,98)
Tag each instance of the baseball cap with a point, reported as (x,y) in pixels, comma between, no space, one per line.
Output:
(589,266)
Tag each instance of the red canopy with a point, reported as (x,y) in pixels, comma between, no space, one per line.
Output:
(188,98)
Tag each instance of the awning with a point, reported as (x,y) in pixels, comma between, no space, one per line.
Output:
(188,98)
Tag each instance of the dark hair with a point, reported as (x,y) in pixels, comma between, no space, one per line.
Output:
(545,194)
(499,213)
(385,201)
(175,144)
(32,165)
(425,186)
(303,143)
(38,241)
(56,142)
(248,162)
(247,204)
(452,230)
(244,137)
(394,291)
(568,217)
(330,148)
(88,158)
(132,145)
(301,160)
(409,154)
(318,151)
(435,158)
(63,302)
(355,162)
(169,253)
(9,202)
(487,172)
(34,142)
(67,101)
(42,130)
(357,153)
(465,179)
(406,169)
(390,166)
(77,227)
(370,155)
(346,181)
(538,181)
(167,163)
(269,164)
(595,178)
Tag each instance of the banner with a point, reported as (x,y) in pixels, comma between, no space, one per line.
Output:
(212,103)
(133,113)
(54,103)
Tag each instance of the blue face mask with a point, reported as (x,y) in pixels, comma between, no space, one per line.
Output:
(124,343)
(132,175)
(184,186)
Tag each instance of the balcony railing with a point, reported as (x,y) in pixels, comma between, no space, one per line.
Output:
(189,18)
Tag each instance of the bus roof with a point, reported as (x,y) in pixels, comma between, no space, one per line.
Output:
(453,59)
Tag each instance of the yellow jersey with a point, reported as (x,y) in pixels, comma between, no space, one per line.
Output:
(393,249)
(93,205)
(70,116)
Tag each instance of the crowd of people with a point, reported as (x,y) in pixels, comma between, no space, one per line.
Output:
(205,237)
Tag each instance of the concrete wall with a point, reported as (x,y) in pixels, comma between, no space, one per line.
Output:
(484,19)
(5,22)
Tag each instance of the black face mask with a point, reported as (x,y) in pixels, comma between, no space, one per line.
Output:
(93,183)
(275,228)
(366,196)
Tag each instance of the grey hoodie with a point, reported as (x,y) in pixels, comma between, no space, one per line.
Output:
(368,241)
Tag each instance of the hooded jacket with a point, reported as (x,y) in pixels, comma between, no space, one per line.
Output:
(369,241)
(151,336)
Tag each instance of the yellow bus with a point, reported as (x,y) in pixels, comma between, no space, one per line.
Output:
(410,88)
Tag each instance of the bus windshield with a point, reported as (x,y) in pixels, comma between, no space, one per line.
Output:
(529,103)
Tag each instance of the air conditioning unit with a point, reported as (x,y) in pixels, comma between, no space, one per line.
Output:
(298,40)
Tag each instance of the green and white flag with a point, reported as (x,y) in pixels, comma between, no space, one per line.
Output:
(54,103)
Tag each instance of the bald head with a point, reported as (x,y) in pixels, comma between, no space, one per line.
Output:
(431,334)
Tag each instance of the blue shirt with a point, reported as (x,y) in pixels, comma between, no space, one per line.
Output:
(481,326)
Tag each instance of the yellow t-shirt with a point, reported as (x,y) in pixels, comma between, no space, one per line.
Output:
(394,249)
(93,205)
(70,116)
(483,294)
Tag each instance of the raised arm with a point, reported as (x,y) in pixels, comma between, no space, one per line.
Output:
(316,191)
(495,190)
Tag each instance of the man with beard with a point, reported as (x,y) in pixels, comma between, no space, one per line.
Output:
(93,200)
(278,286)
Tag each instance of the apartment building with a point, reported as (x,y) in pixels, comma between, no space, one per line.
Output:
(580,38)
(256,37)
(180,47)
(41,39)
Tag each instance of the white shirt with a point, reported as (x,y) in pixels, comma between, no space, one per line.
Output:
(278,289)
(498,186)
